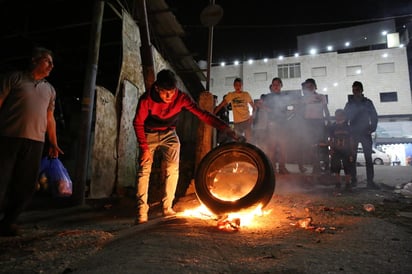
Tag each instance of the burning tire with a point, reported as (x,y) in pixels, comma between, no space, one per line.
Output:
(233,177)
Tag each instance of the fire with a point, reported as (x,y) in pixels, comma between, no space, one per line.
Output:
(233,181)
(231,221)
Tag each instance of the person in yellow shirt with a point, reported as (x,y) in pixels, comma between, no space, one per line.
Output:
(241,102)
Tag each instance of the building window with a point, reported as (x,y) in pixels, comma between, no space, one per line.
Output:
(229,81)
(289,70)
(386,68)
(353,70)
(319,71)
(389,96)
(260,76)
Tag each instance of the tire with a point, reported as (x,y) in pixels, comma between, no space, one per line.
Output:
(378,161)
(240,169)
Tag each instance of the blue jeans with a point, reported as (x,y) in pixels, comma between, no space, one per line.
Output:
(169,145)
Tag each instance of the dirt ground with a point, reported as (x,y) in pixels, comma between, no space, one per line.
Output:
(308,227)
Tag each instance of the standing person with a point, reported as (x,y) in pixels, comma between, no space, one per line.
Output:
(27,103)
(342,149)
(363,120)
(240,101)
(260,123)
(275,103)
(316,118)
(296,125)
(155,127)
(223,114)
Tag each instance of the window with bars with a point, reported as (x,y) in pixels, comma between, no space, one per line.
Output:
(286,71)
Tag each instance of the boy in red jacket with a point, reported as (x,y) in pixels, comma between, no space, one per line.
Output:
(155,126)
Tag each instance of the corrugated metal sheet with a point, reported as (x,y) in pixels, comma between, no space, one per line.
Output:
(166,34)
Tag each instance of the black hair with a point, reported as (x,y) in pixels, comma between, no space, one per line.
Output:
(311,81)
(166,79)
(278,79)
(357,84)
(340,111)
(238,79)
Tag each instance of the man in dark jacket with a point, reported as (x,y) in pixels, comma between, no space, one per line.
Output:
(155,127)
(363,120)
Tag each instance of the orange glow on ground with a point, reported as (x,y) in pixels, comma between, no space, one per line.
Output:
(246,217)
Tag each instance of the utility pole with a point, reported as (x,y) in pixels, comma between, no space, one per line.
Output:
(146,50)
(209,17)
(87,106)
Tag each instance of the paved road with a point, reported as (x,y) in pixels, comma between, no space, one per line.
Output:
(389,175)
(185,245)
(384,174)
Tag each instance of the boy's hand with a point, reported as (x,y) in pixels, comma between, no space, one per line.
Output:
(233,135)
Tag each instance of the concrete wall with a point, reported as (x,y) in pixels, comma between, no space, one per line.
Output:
(114,157)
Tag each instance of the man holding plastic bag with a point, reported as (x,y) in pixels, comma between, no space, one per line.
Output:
(55,178)
(26,115)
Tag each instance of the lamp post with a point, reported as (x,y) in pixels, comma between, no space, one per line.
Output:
(209,17)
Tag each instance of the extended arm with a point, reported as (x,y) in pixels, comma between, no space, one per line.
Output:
(54,149)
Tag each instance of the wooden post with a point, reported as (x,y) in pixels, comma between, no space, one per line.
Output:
(204,131)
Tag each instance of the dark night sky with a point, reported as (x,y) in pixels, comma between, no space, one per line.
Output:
(266,28)
(248,29)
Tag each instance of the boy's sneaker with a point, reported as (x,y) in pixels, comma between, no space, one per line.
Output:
(141,219)
(372,185)
(168,212)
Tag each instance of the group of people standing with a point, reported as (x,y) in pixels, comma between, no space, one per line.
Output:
(27,104)
(279,122)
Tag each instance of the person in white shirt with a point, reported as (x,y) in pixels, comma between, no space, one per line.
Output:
(316,117)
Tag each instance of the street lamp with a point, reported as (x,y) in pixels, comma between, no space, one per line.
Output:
(209,17)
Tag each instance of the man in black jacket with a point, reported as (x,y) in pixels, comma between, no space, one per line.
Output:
(363,120)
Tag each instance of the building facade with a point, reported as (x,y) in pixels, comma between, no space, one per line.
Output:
(383,70)
(384,74)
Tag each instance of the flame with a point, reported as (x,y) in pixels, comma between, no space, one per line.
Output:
(200,212)
(232,220)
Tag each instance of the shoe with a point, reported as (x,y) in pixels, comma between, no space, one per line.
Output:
(283,170)
(348,188)
(9,230)
(141,219)
(354,183)
(168,212)
(372,185)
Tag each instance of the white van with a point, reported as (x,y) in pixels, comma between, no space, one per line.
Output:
(378,157)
